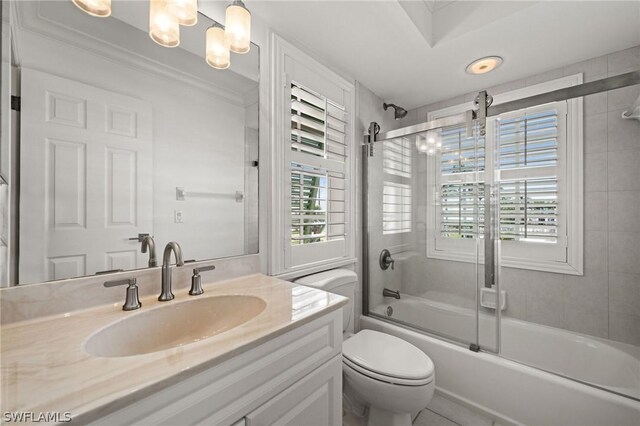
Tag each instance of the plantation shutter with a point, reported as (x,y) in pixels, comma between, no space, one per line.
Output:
(396,191)
(318,177)
(528,153)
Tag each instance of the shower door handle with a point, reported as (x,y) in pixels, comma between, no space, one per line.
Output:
(489,239)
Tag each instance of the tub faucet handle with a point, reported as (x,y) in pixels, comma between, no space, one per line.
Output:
(386,260)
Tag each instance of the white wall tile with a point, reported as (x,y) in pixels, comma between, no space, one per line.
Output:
(622,98)
(595,133)
(623,171)
(544,77)
(624,211)
(590,68)
(545,297)
(590,291)
(595,211)
(624,327)
(594,322)
(624,60)
(622,134)
(595,171)
(624,293)
(595,251)
(624,252)
(596,103)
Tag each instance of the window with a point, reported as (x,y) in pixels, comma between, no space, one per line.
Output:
(318,135)
(313,165)
(396,190)
(535,156)
(396,208)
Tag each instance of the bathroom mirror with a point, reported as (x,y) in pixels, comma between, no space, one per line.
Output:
(118,137)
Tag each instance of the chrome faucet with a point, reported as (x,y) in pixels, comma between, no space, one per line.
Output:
(174,247)
(150,244)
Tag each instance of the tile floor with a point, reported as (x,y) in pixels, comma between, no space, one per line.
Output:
(440,412)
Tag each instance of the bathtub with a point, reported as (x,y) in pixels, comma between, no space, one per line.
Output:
(512,392)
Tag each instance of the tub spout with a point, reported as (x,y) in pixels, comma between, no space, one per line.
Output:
(391,293)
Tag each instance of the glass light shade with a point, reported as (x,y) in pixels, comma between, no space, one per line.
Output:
(99,8)
(484,65)
(238,27)
(217,50)
(163,26)
(185,11)
(421,143)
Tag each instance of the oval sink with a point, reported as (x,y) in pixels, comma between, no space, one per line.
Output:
(175,324)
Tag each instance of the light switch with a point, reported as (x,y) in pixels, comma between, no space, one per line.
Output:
(177,214)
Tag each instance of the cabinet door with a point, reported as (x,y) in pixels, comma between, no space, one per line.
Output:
(314,400)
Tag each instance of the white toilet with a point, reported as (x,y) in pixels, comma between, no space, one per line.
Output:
(390,376)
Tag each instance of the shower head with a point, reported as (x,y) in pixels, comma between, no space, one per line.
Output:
(399,111)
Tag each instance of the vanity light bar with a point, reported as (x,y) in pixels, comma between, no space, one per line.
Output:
(166,16)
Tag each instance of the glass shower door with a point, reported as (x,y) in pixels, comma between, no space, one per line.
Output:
(425,222)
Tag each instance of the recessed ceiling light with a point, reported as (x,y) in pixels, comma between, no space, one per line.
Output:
(484,65)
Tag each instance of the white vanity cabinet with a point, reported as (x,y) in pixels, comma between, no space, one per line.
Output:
(292,379)
(316,399)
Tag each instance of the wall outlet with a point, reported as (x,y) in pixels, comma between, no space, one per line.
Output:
(177,216)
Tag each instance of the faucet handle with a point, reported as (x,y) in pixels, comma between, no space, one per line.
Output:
(196,271)
(196,279)
(132,301)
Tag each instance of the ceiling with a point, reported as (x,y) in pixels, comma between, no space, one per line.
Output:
(414,52)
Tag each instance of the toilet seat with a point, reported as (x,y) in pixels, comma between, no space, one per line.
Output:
(387,358)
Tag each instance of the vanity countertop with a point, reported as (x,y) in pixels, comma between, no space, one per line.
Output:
(44,366)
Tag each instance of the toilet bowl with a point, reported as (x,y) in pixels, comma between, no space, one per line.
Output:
(393,378)
(388,376)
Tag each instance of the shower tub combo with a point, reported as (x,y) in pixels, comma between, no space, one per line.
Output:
(429,195)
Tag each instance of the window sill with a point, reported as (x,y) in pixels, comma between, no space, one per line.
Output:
(516,263)
(316,267)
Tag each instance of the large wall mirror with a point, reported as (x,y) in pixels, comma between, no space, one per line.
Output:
(118,137)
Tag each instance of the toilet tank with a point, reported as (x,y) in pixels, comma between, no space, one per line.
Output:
(337,281)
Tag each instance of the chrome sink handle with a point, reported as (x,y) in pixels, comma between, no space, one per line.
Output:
(166,294)
(386,260)
(132,301)
(196,280)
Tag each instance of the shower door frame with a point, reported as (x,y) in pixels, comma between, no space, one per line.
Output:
(476,117)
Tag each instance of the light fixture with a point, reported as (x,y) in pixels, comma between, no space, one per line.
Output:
(238,27)
(217,51)
(163,26)
(484,65)
(421,143)
(99,8)
(185,11)
(429,143)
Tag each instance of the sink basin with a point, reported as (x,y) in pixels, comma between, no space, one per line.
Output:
(176,324)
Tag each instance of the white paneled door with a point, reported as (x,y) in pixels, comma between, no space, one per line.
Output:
(85,178)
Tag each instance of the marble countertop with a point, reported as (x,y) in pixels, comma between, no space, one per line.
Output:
(44,366)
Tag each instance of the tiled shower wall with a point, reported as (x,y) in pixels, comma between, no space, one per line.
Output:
(605,302)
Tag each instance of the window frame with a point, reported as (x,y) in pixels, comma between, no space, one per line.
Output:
(290,64)
(567,260)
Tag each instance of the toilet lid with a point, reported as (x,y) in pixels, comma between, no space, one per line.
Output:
(387,355)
